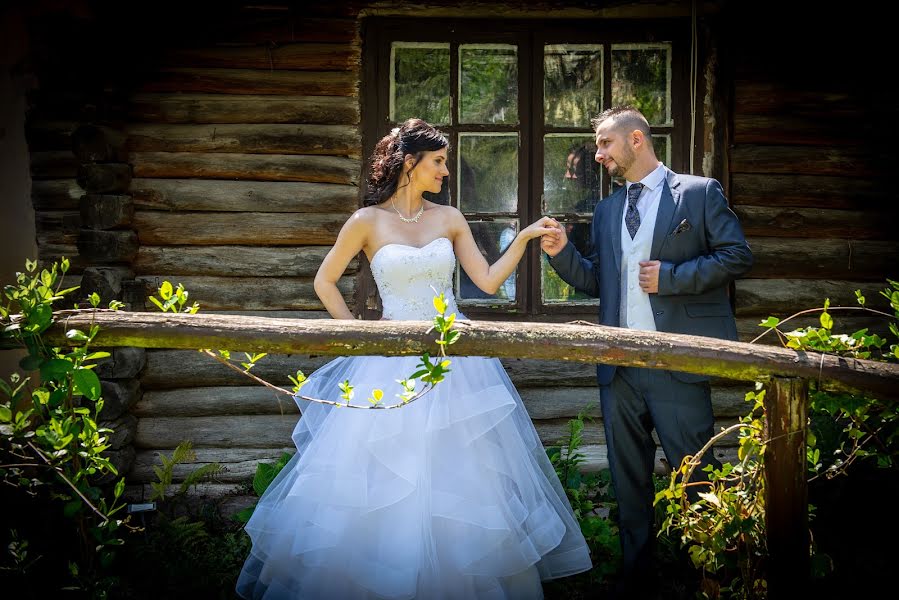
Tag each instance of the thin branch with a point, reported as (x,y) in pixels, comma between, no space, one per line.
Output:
(814,310)
(71,485)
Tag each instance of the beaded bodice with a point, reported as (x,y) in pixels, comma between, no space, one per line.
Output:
(405,276)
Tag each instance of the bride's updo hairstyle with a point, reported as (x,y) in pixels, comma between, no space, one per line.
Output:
(412,137)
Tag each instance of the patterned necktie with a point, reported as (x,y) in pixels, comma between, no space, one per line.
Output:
(632,216)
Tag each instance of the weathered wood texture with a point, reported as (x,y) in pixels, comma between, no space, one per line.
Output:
(337,140)
(256,167)
(546,403)
(243,81)
(249,293)
(576,343)
(841,259)
(811,191)
(262,229)
(168,369)
(786,486)
(815,223)
(303,56)
(55,194)
(784,297)
(274,431)
(245,108)
(243,196)
(233,261)
(239,466)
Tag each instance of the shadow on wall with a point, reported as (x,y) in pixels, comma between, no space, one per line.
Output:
(17,234)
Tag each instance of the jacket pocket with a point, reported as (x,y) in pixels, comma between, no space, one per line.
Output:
(707,309)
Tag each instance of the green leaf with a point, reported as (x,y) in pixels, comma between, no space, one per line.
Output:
(826,321)
(55,369)
(77,335)
(31,362)
(87,383)
(244,515)
(5,414)
(71,508)
(770,322)
(165,290)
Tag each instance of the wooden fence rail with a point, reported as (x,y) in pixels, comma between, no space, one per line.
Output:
(786,373)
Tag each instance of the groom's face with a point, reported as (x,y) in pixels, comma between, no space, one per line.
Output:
(613,151)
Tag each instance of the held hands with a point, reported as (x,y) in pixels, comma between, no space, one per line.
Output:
(555,240)
(542,227)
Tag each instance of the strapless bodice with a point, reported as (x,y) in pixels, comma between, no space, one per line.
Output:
(409,277)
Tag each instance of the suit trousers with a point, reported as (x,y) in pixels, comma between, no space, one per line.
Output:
(634,403)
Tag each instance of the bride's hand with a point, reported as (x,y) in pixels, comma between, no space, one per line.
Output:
(544,226)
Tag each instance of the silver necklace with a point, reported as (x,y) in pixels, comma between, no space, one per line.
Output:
(408,219)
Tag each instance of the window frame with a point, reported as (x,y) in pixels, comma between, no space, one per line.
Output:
(530,36)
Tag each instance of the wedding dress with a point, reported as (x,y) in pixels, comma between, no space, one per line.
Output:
(451,496)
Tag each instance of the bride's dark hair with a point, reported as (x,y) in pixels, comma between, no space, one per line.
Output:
(412,137)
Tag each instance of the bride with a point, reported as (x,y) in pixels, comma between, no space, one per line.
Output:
(449,497)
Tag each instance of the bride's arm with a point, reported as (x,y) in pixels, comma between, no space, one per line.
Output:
(486,276)
(350,242)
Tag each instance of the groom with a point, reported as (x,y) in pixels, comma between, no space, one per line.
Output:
(665,247)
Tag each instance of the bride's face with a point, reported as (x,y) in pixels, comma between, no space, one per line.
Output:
(430,171)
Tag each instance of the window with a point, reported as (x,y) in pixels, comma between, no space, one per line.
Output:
(515,100)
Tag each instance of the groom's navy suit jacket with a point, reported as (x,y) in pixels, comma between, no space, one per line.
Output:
(699,260)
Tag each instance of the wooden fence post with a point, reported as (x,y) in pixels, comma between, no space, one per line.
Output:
(786,502)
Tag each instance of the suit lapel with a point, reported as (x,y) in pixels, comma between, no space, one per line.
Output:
(617,212)
(668,204)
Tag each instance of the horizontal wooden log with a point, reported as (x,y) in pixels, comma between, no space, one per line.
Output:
(274,431)
(267,229)
(575,343)
(55,194)
(240,464)
(302,56)
(249,293)
(107,246)
(231,108)
(53,164)
(43,135)
(104,178)
(244,196)
(168,369)
(795,130)
(106,211)
(239,261)
(124,363)
(200,494)
(288,28)
(335,140)
(823,259)
(250,81)
(57,226)
(764,97)
(49,252)
(563,402)
(784,297)
(816,223)
(814,191)
(806,160)
(255,167)
(106,282)
(98,143)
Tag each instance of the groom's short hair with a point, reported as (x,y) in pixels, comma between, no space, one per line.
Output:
(625,118)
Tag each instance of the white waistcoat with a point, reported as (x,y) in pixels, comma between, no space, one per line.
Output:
(636,311)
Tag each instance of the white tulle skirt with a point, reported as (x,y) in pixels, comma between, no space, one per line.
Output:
(451,496)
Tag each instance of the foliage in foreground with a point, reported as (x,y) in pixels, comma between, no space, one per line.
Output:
(724,530)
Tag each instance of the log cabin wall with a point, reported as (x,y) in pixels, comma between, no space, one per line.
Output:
(241,130)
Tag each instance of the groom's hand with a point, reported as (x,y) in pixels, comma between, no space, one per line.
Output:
(649,276)
(552,243)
